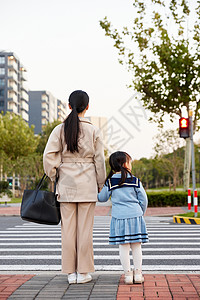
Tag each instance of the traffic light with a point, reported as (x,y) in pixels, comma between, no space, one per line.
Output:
(184,128)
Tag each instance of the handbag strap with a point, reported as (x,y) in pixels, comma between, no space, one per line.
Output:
(44,177)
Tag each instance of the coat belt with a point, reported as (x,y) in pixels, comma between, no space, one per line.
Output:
(77,160)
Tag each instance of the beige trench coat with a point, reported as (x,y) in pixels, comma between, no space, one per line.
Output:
(80,173)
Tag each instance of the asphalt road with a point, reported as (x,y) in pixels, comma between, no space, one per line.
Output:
(26,246)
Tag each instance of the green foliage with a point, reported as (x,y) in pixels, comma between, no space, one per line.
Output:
(4,189)
(170,154)
(16,137)
(165,63)
(45,135)
(3,186)
(163,199)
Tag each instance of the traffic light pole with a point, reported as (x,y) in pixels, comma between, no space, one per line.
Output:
(193,159)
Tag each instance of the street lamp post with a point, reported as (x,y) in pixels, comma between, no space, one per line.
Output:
(193,165)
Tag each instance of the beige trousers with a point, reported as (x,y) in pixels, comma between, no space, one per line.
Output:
(77,236)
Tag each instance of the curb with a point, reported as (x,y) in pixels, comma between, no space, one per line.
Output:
(186,220)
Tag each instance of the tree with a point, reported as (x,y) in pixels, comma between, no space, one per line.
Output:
(169,154)
(16,137)
(16,140)
(165,63)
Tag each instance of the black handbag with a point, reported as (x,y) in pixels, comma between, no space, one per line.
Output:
(41,206)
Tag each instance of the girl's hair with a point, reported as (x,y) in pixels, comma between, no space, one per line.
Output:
(116,161)
(78,101)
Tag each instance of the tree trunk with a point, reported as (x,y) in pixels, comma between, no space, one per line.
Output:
(1,172)
(187,164)
(174,181)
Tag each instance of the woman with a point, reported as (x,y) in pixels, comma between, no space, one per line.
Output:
(76,149)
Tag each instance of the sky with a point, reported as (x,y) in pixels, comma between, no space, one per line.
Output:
(63,48)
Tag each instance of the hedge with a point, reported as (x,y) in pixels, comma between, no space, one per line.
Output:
(3,186)
(162,199)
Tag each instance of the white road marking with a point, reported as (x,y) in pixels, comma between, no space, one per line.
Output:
(96,249)
(103,257)
(100,268)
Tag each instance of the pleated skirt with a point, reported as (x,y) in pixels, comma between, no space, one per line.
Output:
(131,230)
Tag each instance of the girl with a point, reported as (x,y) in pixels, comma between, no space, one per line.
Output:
(129,203)
(76,149)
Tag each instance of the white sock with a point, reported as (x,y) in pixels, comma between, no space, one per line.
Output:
(137,255)
(124,250)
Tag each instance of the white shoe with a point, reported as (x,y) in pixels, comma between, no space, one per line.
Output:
(83,278)
(72,278)
(128,278)
(138,278)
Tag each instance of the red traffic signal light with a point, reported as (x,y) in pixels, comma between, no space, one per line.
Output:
(184,128)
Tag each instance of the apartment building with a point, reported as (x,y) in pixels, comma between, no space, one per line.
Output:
(61,110)
(13,88)
(44,108)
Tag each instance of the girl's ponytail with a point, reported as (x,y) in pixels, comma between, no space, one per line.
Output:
(78,101)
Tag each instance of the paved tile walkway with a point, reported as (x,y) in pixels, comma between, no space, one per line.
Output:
(105,211)
(9,283)
(104,286)
(160,286)
(42,287)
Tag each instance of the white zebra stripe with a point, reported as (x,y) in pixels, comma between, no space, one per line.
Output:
(116,249)
(148,268)
(103,257)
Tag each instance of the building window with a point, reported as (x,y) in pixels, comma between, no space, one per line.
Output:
(2,59)
(2,103)
(2,82)
(1,93)
(2,71)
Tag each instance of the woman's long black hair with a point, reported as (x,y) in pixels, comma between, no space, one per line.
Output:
(116,161)
(78,101)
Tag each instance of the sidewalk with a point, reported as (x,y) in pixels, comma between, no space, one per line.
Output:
(103,286)
(102,210)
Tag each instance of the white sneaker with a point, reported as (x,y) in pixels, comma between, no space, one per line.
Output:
(128,278)
(83,278)
(72,278)
(138,278)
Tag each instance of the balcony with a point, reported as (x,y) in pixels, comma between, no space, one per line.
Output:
(12,65)
(12,88)
(12,106)
(45,114)
(44,121)
(24,106)
(12,97)
(45,99)
(25,116)
(24,96)
(23,76)
(24,86)
(45,106)
(12,76)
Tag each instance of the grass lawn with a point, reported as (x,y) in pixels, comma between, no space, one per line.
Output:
(13,200)
(190,214)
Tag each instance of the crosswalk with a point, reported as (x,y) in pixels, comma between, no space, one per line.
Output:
(34,247)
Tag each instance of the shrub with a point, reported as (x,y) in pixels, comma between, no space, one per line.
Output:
(4,189)
(161,199)
(3,186)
